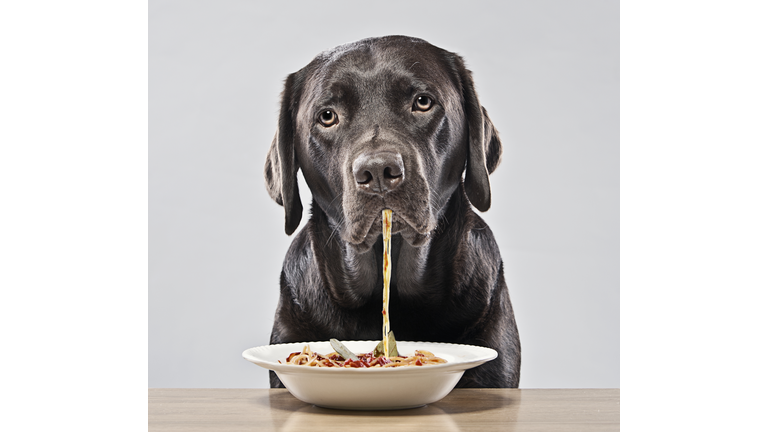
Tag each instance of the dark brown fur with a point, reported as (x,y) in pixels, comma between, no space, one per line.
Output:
(448,279)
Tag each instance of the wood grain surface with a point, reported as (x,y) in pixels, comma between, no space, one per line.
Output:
(463,409)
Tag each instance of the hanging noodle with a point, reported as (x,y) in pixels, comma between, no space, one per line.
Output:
(386,230)
(420,358)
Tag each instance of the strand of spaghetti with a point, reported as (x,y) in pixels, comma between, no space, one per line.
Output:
(386,222)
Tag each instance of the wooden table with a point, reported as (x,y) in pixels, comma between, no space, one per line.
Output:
(462,409)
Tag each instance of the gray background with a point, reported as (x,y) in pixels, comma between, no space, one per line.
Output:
(547,71)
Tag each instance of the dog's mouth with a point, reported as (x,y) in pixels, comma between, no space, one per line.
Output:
(413,214)
(363,235)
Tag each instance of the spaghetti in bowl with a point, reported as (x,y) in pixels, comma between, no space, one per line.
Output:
(371,388)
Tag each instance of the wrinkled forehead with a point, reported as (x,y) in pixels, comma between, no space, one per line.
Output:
(360,70)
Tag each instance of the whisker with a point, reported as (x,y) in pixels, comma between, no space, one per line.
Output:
(335,228)
(330,237)
(337,197)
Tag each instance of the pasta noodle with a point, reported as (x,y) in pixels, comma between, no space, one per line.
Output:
(378,358)
(333,360)
(386,233)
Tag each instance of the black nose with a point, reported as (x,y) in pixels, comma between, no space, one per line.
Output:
(378,173)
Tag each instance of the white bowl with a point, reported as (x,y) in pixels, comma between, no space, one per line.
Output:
(375,388)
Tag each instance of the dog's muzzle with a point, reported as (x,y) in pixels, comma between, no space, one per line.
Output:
(383,179)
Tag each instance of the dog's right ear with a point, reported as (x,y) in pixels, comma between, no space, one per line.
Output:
(484,146)
(282,167)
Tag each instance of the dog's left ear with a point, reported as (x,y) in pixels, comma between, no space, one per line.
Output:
(484,150)
(281,167)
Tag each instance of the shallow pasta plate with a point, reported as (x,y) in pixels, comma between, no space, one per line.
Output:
(375,388)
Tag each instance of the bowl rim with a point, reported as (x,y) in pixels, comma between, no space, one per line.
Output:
(478,356)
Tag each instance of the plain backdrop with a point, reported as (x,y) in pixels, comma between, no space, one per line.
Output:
(548,73)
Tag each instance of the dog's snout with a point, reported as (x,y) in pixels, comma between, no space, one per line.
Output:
(378,173)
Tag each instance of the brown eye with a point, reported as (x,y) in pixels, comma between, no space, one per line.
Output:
(422,103)
(328,118)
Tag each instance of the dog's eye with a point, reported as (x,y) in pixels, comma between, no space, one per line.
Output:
(422,103)
(328,118)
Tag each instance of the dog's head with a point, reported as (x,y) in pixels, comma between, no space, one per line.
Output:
(390,122)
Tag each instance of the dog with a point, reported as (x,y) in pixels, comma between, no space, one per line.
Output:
(391,123)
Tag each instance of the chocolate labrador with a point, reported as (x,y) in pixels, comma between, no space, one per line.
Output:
(391,122)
